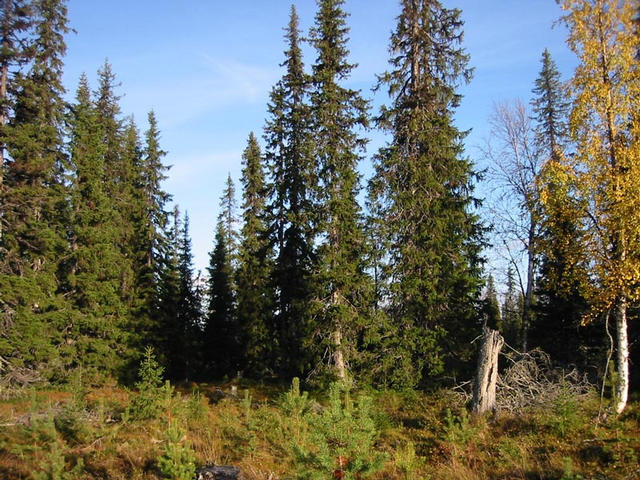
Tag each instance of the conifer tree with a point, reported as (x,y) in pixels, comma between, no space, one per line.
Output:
(183,335)
(94,272)
(510,323)
(16,22)
(290,223)
(425,186)
(120,178)
(551,108)
(167,334)
(343,289)
(222,348)
(255,297)
(34,202)
(150,220)
(491,306)
(190,305)
(563,278)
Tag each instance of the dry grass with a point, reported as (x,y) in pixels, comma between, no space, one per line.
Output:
(425,436)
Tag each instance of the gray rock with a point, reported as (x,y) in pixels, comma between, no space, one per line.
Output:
(217,472)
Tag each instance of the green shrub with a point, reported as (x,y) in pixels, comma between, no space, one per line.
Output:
(565,415)
(408,463)
(73,424)
(151,396)
(457,428)
(567,470)
(178,461)
(340,441)
(55,465)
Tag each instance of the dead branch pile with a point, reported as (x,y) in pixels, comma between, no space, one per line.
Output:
(531,380)
(15,378)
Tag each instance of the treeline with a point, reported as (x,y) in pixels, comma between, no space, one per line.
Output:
(303,279)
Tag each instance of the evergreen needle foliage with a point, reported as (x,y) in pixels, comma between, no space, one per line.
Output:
(341,439)
(178,459)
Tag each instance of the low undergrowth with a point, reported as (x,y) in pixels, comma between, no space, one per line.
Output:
(157,431)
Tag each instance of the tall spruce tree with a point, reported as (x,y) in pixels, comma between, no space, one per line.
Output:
(34,202)
(551,108)
(425,186)
(120,178)
(255,263)
(190,310)
(182,327)
(14,27)
(94,272)
(290,223)
(167,333)
(150,220)
(222,349)
(563,277)
(344,289)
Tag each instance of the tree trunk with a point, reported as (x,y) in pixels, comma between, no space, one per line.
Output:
(338,356)
(528,293)
(484,390)
(622,357)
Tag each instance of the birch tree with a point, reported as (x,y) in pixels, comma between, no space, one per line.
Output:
(605,127)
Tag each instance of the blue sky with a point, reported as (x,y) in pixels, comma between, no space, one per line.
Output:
(206,67)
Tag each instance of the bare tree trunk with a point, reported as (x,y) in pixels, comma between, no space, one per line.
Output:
(528,293)
(622,357)
(338,356)
(4,73)
(484,390)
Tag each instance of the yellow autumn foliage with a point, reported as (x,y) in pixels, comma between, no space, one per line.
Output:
(604,173)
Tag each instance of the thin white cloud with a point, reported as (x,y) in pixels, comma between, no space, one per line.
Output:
(211,85)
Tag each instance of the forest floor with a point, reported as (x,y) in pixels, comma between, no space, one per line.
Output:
(114,433)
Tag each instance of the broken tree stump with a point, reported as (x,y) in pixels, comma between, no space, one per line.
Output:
(484,388)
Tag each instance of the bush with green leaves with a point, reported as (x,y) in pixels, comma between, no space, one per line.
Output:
(178,461)
(152,394)
(341,440)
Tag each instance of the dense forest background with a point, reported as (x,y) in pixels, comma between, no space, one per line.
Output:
(305,278)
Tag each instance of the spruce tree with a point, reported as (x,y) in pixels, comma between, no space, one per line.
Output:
(511,313)
(490,305)
(14,27)
(343,288)
(34,203)
(120,178)
(222,350)
(167,334)
(150,220)
(425,187)
(290,223)
(255,297)
(189,309)
(179,312)
(562,282)
(551,108)
(94,270)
